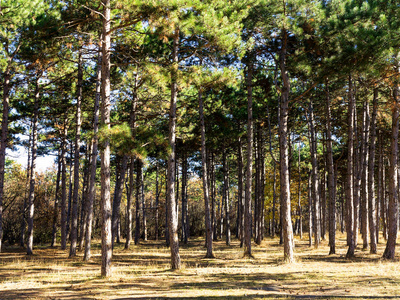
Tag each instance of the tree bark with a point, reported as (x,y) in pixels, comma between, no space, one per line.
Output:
(393,182)
(137,195)
(29,246)
(93,162)
(171,202)
(226,199)
(299,195)
(184,215)
(3,143)
(209,229)
(64,189)
(249,164)
(106,236)
(349,186)
(55,215)
(371,177)
(74,218)
(364,177)
(331,177)
(314,179)
(119,187)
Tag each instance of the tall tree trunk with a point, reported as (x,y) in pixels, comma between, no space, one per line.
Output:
(299,194)
(314,179)
(84,198)
(106,236)
(288,243)
(240,193)
(310,211)
(364,177)
(172,215)
(132,122)
(3,142)
(357,172)
(226,198)
(144,215)
(331,176)
(393,182)
(350,178)
(25,204)
(157,204)
(74,219)
(129,214)
(29,247)
(55,215)
(93,161)
(184,215)
(249,164)
(371,177)
(137,195)
(64,189)
(209,229)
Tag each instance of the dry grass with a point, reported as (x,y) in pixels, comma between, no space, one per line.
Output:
(143,273)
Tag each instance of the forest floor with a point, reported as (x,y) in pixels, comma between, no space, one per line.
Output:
(143,272)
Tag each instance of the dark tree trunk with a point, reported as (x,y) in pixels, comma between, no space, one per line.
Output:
(84,199)
(144,215)
(226,198)
(157,205)
(137,195)
(3,142)
(371,177)
(240,194)
(331,177)
(55,215)
(310,212)
(364,176)
(393,182)
(299,195)
(184,215)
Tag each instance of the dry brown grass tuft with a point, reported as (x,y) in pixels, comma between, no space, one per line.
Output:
(143,273)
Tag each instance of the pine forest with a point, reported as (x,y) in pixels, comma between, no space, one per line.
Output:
(253,139)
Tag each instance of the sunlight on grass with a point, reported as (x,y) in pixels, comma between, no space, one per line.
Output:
(144,272)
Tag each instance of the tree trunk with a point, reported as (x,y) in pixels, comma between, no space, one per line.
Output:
(364,176)
(157,204)
(299,195)
(249,164)
(171,202)
(331,177)
(119,188)
(350,178)
(314,179)
(209,229)
(226,199)
(371,177)
(55,215)
(310,212)
(64,189)
(3,143)
(240,194)
(29,247)
(137,195)
(25,204)
(184,215)
(74,218)
(129,214)
(144,215)
(393,182)
(106,236)
(93,161)
(84,198)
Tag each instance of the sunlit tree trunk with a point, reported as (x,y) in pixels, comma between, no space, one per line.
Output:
(364,177)
(171,202)
(55,214)
(350,178)
(93,162)
(29,246)
(106,235)
(64,189)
